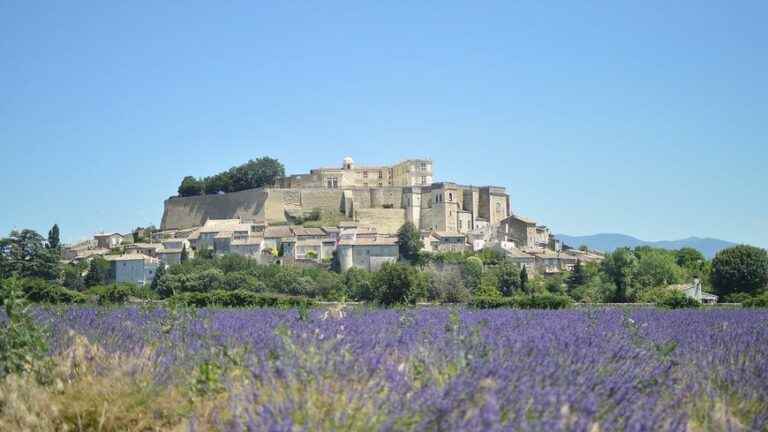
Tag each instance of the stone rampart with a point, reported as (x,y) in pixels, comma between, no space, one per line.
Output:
(188,212)
(386,221)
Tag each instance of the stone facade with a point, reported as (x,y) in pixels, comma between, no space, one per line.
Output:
(384,197)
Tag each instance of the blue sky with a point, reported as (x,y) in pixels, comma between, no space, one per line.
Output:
(645,118)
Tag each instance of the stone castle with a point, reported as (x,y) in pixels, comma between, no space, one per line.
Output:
(381,196)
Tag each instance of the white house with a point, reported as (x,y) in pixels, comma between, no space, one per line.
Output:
(133,268)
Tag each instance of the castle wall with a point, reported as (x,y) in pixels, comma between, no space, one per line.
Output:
(386,221)
(189,212)
(324,199)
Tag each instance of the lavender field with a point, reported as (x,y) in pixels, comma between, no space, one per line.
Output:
(411,369)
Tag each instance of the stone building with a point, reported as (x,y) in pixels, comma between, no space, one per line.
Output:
(367,253)
(406,173)
(133,268)
(381,197)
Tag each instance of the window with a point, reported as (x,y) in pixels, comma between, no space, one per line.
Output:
(450,197)
(333,182)
(365,174)
(423,180)
(381,174)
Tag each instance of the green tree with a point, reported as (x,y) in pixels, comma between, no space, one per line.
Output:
(524,285)
(655,268)
(155,285)
(359,283)
(398,284)
(99,272)
(620,267)
(190,186)
(409,242)
(508,276)
(22,344)
(54,241)
(472,273)
(24,254)
(72,277)
(578,276)
(740,269)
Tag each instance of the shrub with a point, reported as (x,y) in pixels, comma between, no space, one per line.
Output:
(22,343)
(239,298)
(487,302)
(737,298)
(759,301)
(472,272)
(398,284)
(536,301)
(359,284)
(447,287)
(41,291)
(677,300)
(543,301)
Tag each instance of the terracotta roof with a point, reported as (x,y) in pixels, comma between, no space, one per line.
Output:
(144,246)
(516,253)
(128,257)
(520,218)
(169,251)
(331,230)
(301,231)
(445,234)
(248,242)
(278,231)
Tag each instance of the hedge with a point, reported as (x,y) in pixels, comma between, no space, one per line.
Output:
(536,301)
(677,300)
(239,298)
(759,301)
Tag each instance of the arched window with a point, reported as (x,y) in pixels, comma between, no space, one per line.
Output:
(450,197)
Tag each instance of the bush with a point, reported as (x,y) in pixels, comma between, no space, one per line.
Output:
(737,298)
(239,298)
(492,302)
(359,284)
(119,293)
(536,301)
(399,284)
(447,287)
(22,343)
(759,301)
(41,291)
(677,300)
(542,301)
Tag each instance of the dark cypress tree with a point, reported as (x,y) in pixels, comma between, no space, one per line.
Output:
(184,254)
(54,241)
(409,242)
(524,280)
(578,276)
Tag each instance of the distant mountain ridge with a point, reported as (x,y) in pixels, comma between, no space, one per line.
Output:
(610,242)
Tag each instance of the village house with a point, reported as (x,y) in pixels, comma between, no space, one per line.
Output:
(693,290)
(440,241)
(133,268)
(367,253)
(149,249)
(108,241)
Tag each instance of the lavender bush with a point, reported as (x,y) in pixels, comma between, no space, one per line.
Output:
(437,368)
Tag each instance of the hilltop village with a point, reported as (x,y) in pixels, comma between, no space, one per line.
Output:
(350,212)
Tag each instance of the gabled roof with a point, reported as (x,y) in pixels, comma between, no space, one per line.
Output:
(370,241)
(315,232)
(279,231)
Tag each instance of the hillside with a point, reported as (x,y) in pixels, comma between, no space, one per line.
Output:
(609,242)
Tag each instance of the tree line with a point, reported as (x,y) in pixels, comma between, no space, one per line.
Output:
(255,173)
